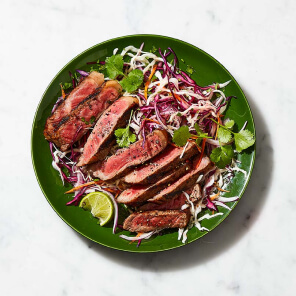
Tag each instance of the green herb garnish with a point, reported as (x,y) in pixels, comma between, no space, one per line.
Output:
(114,66)
(66,85)
(243,139)
(189,69)
(222,156)
(132,81)
(182,135)
(153,49)
(92,119)
(124,137)
(201,135)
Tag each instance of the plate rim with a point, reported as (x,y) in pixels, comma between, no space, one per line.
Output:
(252,164)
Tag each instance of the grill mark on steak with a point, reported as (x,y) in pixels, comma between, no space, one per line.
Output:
(156,220)
(184,183)
(137,194)
(86,87)
(102,137)
(160,164)
(87,101)
(124,159)
(72,128)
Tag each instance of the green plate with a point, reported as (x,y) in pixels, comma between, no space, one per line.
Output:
(208,70)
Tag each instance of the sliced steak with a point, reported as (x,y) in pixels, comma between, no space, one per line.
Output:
(84,116)
(156,220)
(85,88)
(137,194)
(172,204)
(159,165)
(124,159)
(175,203)
(102,137)
(184,183)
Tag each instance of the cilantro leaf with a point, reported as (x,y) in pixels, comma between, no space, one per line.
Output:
(222,156)
(181,135)
(114,66)
(229,123)
(133,80)
(224,135)
(243,140)
(124,137)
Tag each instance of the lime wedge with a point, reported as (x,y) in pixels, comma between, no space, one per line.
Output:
(100,205)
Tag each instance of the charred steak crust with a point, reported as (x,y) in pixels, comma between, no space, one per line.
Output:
(86,87)
(156,220)
(160,165)
(137,194)
(124,159)
(102,137)
(85,115)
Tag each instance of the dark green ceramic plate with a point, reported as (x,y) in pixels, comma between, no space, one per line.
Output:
(208,70)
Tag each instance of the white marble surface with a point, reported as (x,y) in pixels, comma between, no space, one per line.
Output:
(252,253)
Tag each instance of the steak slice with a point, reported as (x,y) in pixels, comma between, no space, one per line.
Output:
(184,183)
(138,194)
(84,116)
(100,140)
(172,204)
(85,88)
(156,220)
(175,203)
(124,159)
(159,165)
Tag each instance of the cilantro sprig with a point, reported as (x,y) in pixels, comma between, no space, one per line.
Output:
(242,140)
(114,68)
(124,136)
(223,155)
(182,135)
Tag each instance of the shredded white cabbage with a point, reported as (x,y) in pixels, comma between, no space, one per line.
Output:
(221,204)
